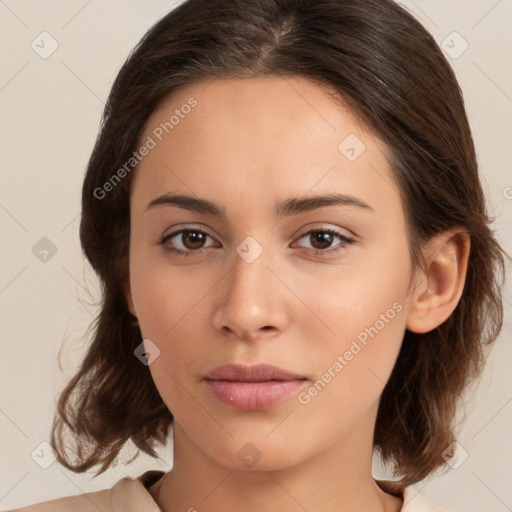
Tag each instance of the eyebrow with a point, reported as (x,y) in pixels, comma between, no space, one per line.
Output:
(292,206)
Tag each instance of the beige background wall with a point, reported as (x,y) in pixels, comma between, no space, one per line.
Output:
(50,110)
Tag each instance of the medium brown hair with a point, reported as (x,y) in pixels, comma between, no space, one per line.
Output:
(390,72)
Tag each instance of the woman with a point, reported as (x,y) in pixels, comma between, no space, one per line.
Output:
(284,209)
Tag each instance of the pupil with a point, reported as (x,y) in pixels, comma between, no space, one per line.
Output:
(195,239)
(323,238)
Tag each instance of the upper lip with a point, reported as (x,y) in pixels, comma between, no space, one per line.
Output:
(253,373)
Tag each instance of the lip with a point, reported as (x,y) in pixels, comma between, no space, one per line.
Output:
(252,387)
(253,373)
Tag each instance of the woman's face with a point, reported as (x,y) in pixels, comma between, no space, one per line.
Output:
(301,262)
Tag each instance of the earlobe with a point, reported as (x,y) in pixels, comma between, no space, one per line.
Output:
(439,285)
(129,299)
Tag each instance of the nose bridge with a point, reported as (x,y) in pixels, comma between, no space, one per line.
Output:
(249,274)
(251,300)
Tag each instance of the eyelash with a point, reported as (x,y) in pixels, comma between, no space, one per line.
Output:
(344,242)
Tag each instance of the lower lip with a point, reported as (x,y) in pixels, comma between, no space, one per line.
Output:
(253,395)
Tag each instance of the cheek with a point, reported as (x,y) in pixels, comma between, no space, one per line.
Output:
(364,305)
(170,309)
(367,290)
(353,365)
(168,315)
(164,297)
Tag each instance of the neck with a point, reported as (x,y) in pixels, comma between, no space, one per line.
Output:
(339,479)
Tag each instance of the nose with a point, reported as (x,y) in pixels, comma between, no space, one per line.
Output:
(253,301)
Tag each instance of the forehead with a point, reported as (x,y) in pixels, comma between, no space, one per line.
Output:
(259,137)
(290,108)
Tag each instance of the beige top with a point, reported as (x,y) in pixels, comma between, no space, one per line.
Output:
(131,495)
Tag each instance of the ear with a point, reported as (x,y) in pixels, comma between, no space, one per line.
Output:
(439,285)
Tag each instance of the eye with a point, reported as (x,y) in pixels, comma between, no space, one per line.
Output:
(185,241)
(190,241)
(322,239)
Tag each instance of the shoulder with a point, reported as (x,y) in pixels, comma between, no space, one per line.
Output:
(126,495)
(86,502)
(413,501)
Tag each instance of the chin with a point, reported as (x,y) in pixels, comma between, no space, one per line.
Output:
(256,455)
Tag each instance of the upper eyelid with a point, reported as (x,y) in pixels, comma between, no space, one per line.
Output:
(185,229)
(336,231)
(305,232)
(344,238)
(180,231)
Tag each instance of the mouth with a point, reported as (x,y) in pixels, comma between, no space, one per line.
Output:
(252,387)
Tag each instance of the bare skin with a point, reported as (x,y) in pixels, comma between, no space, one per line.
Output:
(300,304)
